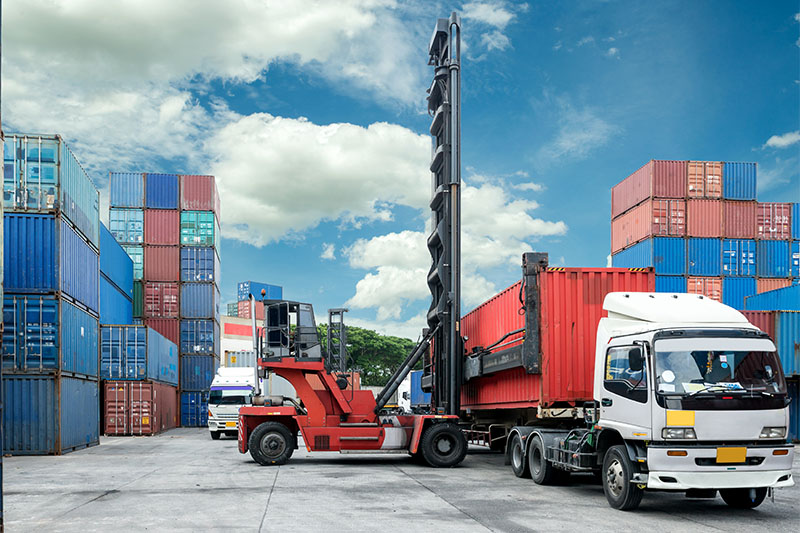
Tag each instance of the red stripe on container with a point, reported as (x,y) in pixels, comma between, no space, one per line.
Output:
(739,220)
(162,263)
(162,226)
(774,221)
(704,218)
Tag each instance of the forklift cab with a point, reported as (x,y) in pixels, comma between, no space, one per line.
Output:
(289,331)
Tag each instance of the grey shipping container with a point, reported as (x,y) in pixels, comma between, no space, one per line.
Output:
(126,189)
(200,300)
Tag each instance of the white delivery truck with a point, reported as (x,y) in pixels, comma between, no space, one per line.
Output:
(230,389)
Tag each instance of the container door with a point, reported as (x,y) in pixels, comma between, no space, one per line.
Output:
(625,397)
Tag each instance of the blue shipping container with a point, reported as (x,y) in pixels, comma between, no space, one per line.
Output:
(670,284)
(794,409)
(795,259)
(45,415)
(197,371)
(274,292)
(199,264)
(126,225)
(137,352)
(115,306)
(161,191)
(796,221)
(41,174)
(704,257)
(738,257)
(666,254)
(200,300)
(773,259)
(44,333)
(735,290)
(787,340)
(199,337)
(786,299)
(115,263)
(738,181)
(42,254)
(126,189)
(418,398)
(136,253)
(194,409)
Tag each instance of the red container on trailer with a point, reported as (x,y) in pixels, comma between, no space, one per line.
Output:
(774,221)
(161,300)
(739,220)
(244,310)
(704,179)
(162,226)
(162,263)
(199,193)
(656,179)
(763,320)
(770,284)
(709,287)
(170,328)
(139,407)
(654,217)
(704,218)
(570,306)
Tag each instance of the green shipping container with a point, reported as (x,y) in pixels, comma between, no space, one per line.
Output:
(138,297)
(199,228)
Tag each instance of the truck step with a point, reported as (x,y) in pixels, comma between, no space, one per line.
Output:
(359,438)
(358,424)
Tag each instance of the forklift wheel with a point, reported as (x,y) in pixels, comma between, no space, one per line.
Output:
(215,435)
(443,445)
(271,443)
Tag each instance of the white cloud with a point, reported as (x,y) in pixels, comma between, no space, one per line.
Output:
(557,46)
(529,186)
(613,52)
(491,13)
(328,251)
(495,41)
(778,171)
(586,40)
(783,141)
(580,132)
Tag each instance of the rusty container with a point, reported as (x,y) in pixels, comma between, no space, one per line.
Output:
(162,226)
(704,218)
(656,179)
(738,219)
(710,287)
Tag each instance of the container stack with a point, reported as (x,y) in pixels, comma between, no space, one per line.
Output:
(232,309)
(116,281)
(169,224)
(246,288)
(51,299)
(699,224)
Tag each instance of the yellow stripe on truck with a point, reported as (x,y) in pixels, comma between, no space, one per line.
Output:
(680,418)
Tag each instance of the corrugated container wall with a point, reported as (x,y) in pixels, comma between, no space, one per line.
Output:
(194,409)
(168,327)
(704,179)
(45,415)
(162,263)
(709,287)
(242,359)
(126,189)
(785,299)
(199,193)
(739,181)
(739,220)
(763,320)
(126,225)
(43,334)
(704,257)
(773,259)
(197,371)
(794,409)
(160,300)
(136,253)
(162,226)
(659,179)
(418,397)
(650,218)
(161,191)
(138,299)
(243,310)
(771,284)
(137,352)
(666,254)
(199,337)
(199,228)
(42,175)
(738,258)
(735,290)
(796,221)
(139,407)
(787,340)
(273,292)
(115,263)
(115,306)
(200,300)
(704,218)
(795,259)
(774,221)
(670,284)
(199,265)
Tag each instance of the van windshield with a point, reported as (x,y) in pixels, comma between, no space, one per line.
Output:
(710,366)
(229,397)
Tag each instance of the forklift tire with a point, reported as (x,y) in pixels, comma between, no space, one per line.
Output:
(216,435)
(516,453)
(542,471)
(271,443)
(744,498)
(618,470)
(443,445)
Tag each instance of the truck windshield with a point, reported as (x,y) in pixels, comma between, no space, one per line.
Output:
(229,397)
(711,366)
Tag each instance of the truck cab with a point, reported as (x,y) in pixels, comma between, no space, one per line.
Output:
(231,389)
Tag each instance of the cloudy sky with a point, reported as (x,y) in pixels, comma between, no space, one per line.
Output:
(312,116)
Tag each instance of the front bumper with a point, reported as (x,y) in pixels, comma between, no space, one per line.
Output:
(223,425)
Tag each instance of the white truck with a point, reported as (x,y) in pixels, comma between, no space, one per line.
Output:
(231,389)
(688,397)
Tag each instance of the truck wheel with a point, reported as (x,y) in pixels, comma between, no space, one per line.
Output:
(271,443)
(618,470)
(516,453)
(443,445)
(744,498)
(542,470)
(216,435)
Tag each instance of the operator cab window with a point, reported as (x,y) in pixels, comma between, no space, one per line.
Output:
(626,373)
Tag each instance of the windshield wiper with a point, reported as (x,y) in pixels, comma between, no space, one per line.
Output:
(711,388)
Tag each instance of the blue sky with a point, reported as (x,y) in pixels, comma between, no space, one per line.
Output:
(312,116)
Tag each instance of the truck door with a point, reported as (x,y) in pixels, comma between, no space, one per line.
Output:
(624,398)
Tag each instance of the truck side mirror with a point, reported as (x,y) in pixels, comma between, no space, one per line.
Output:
(635,359)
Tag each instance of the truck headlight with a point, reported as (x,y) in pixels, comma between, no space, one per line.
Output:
(773,433)
(678,433)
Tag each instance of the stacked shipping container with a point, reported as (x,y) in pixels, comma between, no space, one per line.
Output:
(51,302)
(699,224)
(246,288)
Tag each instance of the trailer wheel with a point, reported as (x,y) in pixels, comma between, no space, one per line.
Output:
(216,435)
(443,445)
(744,498)
(618,470)
(271,443)
(542,471)
(516,454)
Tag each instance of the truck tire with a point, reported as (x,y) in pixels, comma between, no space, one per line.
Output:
(744,498)
(618,470)
(216,435)
(542,471)
(443,445)
(516,453)
(271,443)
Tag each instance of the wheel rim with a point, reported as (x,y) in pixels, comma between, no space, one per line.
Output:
(444,445)
(273,445)
(615,478)
(516,455)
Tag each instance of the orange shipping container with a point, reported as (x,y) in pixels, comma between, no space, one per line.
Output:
(770,284)
(661,217)
(656,179)
(704,218)
(739,220)
(709,287)
(704,179)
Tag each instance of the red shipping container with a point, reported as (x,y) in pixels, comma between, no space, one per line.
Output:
(770,284)
(162,226)
(763,320)
(655,217)
(704,179)
(739,220)
(139,407)
(170,328)
(162,263)
(244,310)
(774,221)
(656,179)
(708,287)
(704,218)
(571,304)
(199,193)
(161,300)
